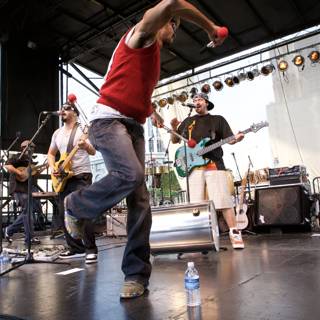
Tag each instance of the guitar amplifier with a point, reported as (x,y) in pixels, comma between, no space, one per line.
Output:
(286,205)
(288,175)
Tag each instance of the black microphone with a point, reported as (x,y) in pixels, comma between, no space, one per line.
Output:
(18,134)
(54,113)
(189,105)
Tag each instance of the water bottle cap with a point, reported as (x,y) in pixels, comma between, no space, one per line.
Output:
(191,264)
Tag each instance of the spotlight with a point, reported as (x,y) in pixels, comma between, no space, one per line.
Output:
(267,69)
(283,65)
(183,96)
(229,82)
(298,60)
(242,76)
(218,85)
(170,100)
(193,91)
(162,102)
(206,88)
(235,80)
(314,56)
(252,74)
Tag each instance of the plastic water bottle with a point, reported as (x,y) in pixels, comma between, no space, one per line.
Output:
(192,286)
(5,261)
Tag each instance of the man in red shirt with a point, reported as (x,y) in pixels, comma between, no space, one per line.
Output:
(116,131)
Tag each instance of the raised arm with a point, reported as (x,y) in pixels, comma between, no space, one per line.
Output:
(154,19)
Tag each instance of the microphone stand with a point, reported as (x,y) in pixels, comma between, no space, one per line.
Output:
(237,187)
(153,182)
(250,201)
(2,162)
(168,164)
(186,158)
(29,259)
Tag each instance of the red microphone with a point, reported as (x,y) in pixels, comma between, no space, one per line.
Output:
(223,32)
(72,98)
(191,143)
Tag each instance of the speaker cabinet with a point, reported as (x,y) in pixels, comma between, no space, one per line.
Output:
(282,206)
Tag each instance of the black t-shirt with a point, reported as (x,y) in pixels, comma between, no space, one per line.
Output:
(208,126)
(14,184)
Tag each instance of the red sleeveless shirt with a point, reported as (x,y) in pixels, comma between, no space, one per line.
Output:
(130,80)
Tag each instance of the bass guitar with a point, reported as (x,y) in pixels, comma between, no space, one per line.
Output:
(35,170)
(195,157)
(241,208)
(62,168)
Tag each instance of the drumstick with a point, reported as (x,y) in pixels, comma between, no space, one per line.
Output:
(191,143)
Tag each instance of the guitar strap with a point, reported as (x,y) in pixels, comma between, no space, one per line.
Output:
(73,133)
(190,128)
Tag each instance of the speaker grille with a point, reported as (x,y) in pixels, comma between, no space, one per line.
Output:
(279,206)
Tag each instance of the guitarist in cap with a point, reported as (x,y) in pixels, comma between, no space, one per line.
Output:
(213,175)
(67,139)
(18,188)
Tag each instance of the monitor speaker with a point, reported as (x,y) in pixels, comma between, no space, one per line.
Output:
(282,206)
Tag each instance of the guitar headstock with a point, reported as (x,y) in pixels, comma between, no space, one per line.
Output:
(257,126)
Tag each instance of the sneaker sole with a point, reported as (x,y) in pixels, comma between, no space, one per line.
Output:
(238,246)
(73,257)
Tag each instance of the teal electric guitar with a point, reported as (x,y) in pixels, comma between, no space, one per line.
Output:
(195,157)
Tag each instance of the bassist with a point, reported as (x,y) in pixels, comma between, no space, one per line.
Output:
(213,175)
(65,139)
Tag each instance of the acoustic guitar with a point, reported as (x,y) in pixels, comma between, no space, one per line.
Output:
(63,167)
(241,208)
(35,170)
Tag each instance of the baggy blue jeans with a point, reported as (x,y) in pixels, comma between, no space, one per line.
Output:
(121,143)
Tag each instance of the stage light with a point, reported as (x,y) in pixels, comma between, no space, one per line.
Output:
(267,69)
(206,88)
(283,65)
(229,82)
(235,80)
(314,56)
(242,76)
(218,85)
(170,100)
(193,91)
(182,97)
(162,102)
(298,61)
(252,74)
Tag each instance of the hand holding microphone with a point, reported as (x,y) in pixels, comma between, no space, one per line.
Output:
(221,33)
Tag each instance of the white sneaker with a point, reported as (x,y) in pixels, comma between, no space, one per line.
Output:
(236,239)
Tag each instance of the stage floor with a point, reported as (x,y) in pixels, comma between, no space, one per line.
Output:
(274,277)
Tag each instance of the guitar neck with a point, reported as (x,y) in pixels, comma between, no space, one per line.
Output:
(69,157)
(220,143)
